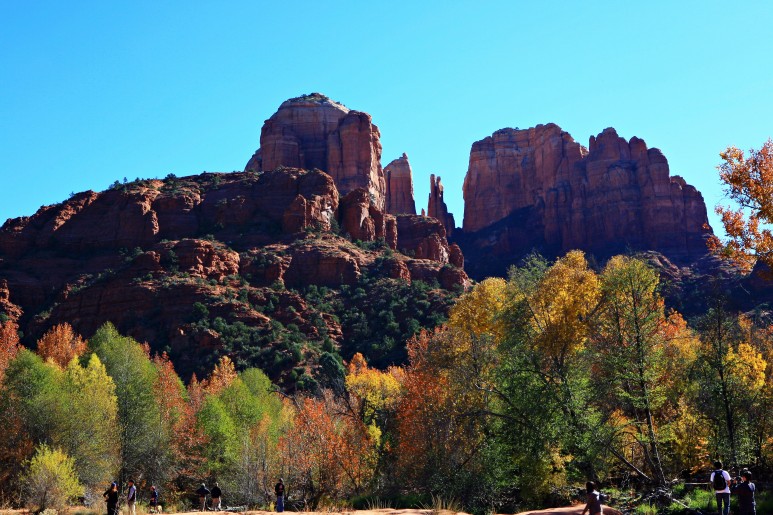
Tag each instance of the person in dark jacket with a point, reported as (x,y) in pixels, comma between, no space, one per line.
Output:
(216,493)
(593,506)
(153,499)
(202,492)
(111,498)
(745,492)
(279,490)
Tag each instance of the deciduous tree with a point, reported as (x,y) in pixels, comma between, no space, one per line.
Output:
(61,344)
(749,182)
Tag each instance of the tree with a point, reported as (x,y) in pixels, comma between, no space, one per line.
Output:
(732,376)
(548,423)
(749,182)
(9,344)
(144,445)
(87,425)
(51,481)
(60,344)
(630,343)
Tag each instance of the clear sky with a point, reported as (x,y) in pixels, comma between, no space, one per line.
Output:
(93,91)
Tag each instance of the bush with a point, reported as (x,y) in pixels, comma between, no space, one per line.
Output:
(51,481)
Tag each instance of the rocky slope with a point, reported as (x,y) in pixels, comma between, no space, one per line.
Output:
(263,266)
(539,189)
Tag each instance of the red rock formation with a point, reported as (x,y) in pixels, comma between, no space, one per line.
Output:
(323,265)
(539,188)
(355,216)
(436,206)
(7,307)
(313,131)
(399,187)
(423,238)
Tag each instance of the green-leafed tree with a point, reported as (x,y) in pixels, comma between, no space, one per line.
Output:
(87,427)
(51,480)
(630,347)
(145,451)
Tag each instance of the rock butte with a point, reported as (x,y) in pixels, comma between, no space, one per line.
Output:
(539,189)
(313,131)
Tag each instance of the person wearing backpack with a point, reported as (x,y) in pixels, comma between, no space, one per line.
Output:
(720,481)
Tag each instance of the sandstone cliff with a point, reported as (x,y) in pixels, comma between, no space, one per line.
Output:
(538,188)
(436,205)
(141,255)
(313,131)
(399,187)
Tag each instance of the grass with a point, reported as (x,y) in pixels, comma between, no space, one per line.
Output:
(442,506)
(646,509)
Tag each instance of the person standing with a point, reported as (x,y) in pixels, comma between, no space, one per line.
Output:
(111,498)
(131,498)
(279,490)
(593,504)
(153,499)
(720,481)
(216,493)
(203,491)
(745,492)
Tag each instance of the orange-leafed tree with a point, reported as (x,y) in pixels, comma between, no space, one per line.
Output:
(439,419)
(749,181)
(9,344)
(334,453)
(221,377)
(61,344)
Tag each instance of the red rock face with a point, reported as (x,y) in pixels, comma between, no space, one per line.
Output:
(141,255)
(423,238)
(315,132)
(539,188)
(437,206)
(399,187)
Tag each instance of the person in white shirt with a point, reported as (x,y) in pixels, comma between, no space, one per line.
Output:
(131,498)
(720,481)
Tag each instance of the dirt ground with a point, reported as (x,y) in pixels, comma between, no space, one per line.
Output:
(569,510)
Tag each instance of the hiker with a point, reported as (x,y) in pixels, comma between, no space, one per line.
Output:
(593,505)
(111,498)
(720,481)
(216,493)
(153,499)
(279,490)
(131,498)
(745,492)
(203,491)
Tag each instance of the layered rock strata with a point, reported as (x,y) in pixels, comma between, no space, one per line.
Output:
(538,188)
(399,187)
(313,131)
(141,255)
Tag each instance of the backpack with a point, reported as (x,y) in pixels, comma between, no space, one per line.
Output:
(719,481)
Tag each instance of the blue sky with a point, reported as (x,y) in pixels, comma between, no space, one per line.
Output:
(92,92)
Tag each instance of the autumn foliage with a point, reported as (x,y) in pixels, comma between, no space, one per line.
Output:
(60,344)
(535,383)
(749,182)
